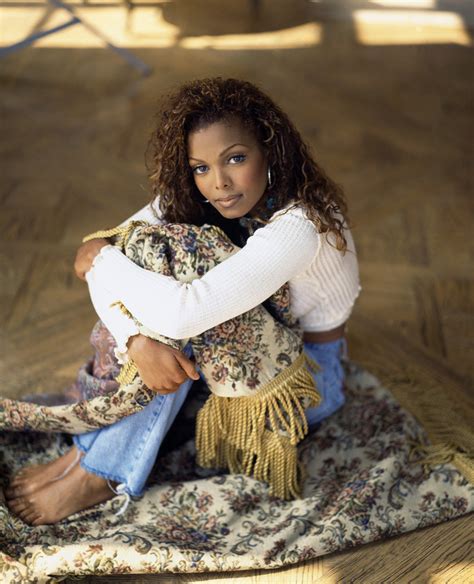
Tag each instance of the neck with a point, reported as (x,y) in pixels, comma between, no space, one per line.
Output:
(264,209)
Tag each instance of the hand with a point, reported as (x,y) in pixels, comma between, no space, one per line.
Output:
(161,368)
(86,255)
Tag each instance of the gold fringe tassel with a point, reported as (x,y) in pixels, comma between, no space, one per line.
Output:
(127,374)
(452,440)
(122,233)
(438,412)
(129,370)
(432,455)
(123,309)
(257,435)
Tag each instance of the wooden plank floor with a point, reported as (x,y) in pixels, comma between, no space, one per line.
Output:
(391,122)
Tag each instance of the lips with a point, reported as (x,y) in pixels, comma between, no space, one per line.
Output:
(228,198)
(229,201)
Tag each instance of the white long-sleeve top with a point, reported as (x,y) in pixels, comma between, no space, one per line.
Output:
(324,283)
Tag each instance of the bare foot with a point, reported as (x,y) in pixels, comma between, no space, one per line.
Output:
(57,500)
(32,478)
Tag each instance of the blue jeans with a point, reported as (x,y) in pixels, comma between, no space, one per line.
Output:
(125,452)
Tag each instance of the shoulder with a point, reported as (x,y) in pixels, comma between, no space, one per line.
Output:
(296,216)
(291,229)
(292,210)
(293,218)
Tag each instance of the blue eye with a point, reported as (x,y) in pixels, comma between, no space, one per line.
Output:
(196,169)
(241,156)
(202,168)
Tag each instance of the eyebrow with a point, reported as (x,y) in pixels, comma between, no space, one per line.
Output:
(223,152)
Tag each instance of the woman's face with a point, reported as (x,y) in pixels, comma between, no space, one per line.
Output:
(229,167)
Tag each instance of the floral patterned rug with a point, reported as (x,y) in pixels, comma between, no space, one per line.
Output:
(365,482)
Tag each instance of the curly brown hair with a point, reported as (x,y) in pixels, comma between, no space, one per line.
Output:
(297,178)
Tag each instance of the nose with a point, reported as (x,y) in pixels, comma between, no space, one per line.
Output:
(222,180)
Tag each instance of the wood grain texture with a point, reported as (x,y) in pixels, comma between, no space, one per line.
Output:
(392,123)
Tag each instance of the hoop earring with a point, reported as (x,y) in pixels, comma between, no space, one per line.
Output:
(269,176)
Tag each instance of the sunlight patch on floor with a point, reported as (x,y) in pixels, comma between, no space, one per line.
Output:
(410,27)
(146,28)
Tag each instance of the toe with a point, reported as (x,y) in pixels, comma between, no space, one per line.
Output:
(18,480)
(21,490)
(23,472)
(13,492)
(18,505)
(9,493)
(23,515)
(32,517)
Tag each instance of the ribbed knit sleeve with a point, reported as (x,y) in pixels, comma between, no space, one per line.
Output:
(120,326)
(272,256)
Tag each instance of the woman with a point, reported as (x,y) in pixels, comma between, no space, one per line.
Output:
(223,153)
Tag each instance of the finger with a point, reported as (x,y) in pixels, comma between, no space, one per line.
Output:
(175,374)
(179,375)
(80,271)
(164,386)
(188,366)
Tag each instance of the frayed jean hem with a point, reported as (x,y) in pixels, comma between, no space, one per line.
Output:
(121,481)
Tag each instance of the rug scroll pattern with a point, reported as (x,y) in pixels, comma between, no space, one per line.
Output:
(362,485)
